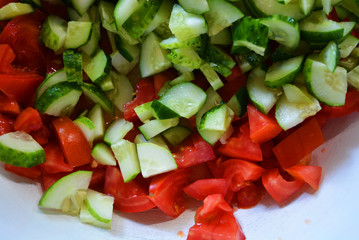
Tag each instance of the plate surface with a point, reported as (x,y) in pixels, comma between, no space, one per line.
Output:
(330,213)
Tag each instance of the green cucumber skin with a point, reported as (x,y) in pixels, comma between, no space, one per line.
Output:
(13,157)
(54,92)
(105,103)
(162,111)
(73,65)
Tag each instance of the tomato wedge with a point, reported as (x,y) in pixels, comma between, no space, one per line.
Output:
(31,173)
(202,188)
(249,196)
(129,197)
(9,105)
(279,188)
(28,120)
(55,161)
(166,191)
(5,126)
(262,127)
(307,173)
(7,56)
(144,93)
(215,221)
(73,142)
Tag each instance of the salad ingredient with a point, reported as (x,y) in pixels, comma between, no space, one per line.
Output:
(20,149)
(103,154)
(117,130)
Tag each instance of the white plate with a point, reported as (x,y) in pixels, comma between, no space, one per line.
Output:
(330,213)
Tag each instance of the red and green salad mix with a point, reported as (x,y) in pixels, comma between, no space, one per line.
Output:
(129,105)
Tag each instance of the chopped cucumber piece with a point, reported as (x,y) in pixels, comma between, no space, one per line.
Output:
(154,127)
(98,67)
(348,45)
(66,193)
(124,9)
(59,99)
(21,150)
(53,32)
(186,57)
(184,77)
(306,6)
(162,16)
(144,112)
(244,40)
(117,131)
(330,55)
(211,76)
(217,118)
(141,18)
(224,37)
(196,7)
(185,99)
(153,58)
(173,42)
(91,47)
(100,208)
(176,135)
(221,15)
(121,64)
(97,118)
(122,92)
(154,159)
(103,154)
(283,29)
(50,80)
(248,61)
(238,103)
(329,88)
(295,95)
(82,6)
(158,140)
(14,9)
(185,25)
(78,34)
(87,127)
(290,114)
(97,96)
(262,97)
(126,155)
(130,52)
(73,65)
(317,28)
(283,72)
(353,78)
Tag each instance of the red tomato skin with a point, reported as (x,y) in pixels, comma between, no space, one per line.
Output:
(55,161)
(28,120)
(7,56)
(145,92)
(215,221)
(262,127)
(42,135)
(298,144)
(241,146)
(249,196)
(22,34)
(5,126)
(351,105)
(8,105)
(31,173)
(279,188)
(309,174)
(194,151)
(166,191)
(73,142)
(202,188)
(240,171)
(129,197)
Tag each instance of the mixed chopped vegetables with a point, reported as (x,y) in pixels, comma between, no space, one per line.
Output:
(131,104)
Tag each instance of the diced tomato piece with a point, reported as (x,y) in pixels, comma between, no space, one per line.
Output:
(42,135)
(241,146)
(28,120)
(299,143)
(22,34)
(267,149)
(9,105)
(240,171)
(215,220)
(5,126)
(333,15)
(166,191)
(55,161)
(129,197)
(73,142)
(200,171)
(7,56)
(144,93)
(307,173)
(54,61)
(249,196)
(350,106)
(234,82)
(205,187)
(163,77)
(216,167)
(262,127)
(31,173)
(98,176)
(10,84)
(279,188)
(57,8)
